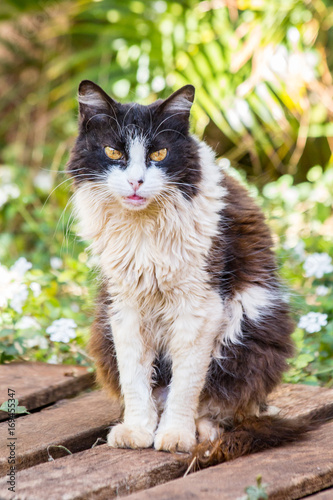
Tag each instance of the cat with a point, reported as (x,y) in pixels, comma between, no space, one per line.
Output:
(192,328)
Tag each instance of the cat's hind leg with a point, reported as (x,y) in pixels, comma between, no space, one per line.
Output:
(207,429)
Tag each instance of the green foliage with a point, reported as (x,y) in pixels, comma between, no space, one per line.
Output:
(18,409)
(257,492)
(37,226)
(262,73)
(261,69)
(301,216)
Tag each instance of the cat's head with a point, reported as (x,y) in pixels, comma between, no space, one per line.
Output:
(136,153)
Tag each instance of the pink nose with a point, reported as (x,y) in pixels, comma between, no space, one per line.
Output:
(135,184)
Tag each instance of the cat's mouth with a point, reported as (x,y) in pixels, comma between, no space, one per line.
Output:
(135,200)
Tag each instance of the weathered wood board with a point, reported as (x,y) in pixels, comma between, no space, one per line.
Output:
(290,472)
(322,495)
(105,473)
(74,423)
(39,384)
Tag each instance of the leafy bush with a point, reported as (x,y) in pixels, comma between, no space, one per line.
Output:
(262,72)
(302,218)
(41,281)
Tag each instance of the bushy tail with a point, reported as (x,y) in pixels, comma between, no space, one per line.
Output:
(256,434)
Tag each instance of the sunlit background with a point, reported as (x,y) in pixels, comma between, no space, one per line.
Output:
(264,102)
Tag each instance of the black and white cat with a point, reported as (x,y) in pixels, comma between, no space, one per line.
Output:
(192,327)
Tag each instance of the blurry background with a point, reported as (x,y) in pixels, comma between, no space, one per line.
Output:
(262,72)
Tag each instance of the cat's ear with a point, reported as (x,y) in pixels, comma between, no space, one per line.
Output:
(180,102)
(93,100)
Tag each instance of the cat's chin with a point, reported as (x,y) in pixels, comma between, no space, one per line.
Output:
(135,202)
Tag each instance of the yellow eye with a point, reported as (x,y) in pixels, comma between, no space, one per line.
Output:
(159,155)
(114,154)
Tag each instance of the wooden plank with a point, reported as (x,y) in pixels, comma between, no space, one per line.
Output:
(39,384)
(299,399)
(323,495)
(99,473)
(290,472)
(94,471)
(75,424)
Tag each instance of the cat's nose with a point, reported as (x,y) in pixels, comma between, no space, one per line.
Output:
(135,183)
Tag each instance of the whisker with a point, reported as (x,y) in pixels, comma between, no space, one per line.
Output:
(165,119)
(169,130)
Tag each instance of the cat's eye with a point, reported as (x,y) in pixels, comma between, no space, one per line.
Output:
(159,155)
(114,154)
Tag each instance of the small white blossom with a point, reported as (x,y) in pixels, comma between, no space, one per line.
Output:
(36,341)
(43,181)
(12,290)
(27,322)
(317,265)
(56,262)
(7,192)
(312,322)
(62,330)
(19,298)
(322,290)
(9,285)
(35,288)
(53,360)
(21,266)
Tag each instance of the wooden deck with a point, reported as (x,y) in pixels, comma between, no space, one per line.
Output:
(60,423)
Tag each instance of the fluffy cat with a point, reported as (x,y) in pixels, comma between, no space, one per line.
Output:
(192,328)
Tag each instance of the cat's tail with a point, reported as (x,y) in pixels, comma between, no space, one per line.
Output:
(255,434)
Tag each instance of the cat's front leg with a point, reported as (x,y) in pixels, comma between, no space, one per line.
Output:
(134,360)
(190,348)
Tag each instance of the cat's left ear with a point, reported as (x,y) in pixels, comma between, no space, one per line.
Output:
(180,102)
(93,100)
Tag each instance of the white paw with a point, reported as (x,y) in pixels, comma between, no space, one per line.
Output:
(175,439)
(125,436)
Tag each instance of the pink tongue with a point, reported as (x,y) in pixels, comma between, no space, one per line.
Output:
(135,197)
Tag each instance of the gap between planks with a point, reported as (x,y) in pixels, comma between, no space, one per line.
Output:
(40,384)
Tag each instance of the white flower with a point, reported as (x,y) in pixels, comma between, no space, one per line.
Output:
(9,285)
(19,298)
(312,322)
(56,262)
(317,265)
(36,288)
(43,181)
(53,360)
(322,290)
(21,266)
(36,341)
(27,322)
(7,192)
(62,330)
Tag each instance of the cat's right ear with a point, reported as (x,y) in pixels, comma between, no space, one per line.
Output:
(94,101)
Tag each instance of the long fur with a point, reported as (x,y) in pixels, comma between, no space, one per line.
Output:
(256,434)
(192,327)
